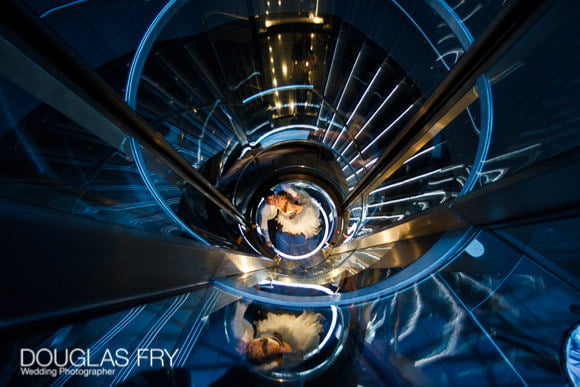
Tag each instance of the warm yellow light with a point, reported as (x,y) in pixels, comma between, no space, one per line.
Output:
(296,19)
(284,69)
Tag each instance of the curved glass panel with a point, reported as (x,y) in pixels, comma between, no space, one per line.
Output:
(341,80)
(300,97)
(50,161)
(217,80)
(81,25)
(534,121)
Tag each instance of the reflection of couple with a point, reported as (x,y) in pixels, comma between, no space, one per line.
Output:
(279,339)
(294,210)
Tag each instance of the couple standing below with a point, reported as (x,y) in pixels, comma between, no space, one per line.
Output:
(293,209)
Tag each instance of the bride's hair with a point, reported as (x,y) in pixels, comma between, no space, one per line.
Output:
(285,195)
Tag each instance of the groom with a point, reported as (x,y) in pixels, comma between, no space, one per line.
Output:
(269,212)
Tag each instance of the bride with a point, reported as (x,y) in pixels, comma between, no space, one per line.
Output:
(294,210)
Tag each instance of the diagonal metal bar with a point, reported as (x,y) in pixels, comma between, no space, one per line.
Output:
(504,197)
(61,71)
(453,94)
(106,267)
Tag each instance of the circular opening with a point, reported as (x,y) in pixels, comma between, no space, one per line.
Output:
(296,219)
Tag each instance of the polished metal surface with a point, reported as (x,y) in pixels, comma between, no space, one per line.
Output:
(234,263)
(493,204)
(105,267)
(433,222)
(434,258)
(523,195)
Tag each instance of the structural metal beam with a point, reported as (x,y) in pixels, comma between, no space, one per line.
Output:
(54,271)
(526,196)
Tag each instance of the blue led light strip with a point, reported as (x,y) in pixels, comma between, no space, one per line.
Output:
(131,98)
(61,7)
(275,89)
(483,85)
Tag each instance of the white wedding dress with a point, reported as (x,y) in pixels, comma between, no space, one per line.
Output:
(306,222)
(301,332)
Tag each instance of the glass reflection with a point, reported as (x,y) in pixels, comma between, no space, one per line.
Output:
(573,356)
(280,343)
(511,297)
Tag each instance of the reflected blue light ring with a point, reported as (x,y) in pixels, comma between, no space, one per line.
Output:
(315,287)
(301,127)
(485,133)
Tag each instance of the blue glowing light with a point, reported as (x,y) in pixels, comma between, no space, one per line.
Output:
(275,89)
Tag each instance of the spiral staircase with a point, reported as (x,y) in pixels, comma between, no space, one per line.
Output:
(439,139)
